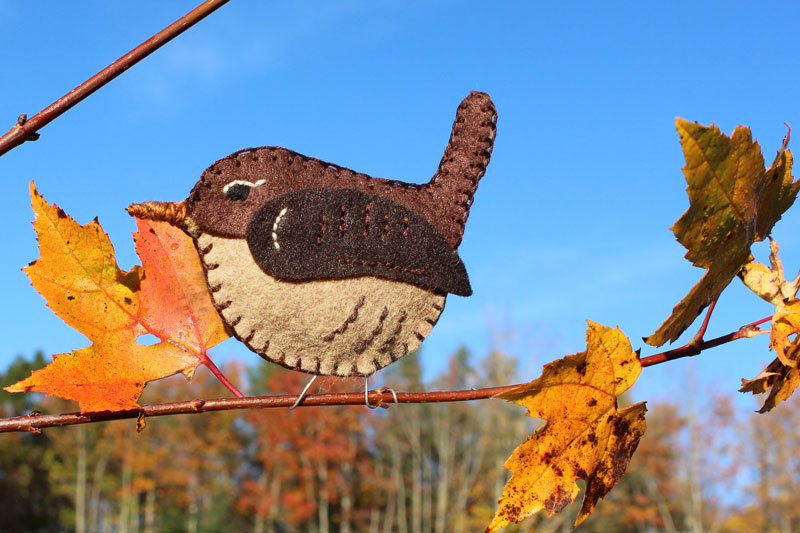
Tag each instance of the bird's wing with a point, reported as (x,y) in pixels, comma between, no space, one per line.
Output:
(333,233)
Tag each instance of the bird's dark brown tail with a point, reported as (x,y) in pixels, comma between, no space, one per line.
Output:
(465,159)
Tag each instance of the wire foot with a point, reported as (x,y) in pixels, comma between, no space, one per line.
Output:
(303,394)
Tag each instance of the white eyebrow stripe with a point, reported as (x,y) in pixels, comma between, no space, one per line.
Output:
(242,182)
(275,228)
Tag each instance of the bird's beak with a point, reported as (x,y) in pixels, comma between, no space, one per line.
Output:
(172,212)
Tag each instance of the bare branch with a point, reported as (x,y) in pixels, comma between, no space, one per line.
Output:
(26,130)
(35,421)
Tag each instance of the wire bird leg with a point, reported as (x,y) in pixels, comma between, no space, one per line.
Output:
(303,394)
(366,395)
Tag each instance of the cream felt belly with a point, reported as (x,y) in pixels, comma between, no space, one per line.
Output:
(342,327)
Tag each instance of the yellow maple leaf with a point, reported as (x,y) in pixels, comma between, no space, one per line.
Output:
(734,202)
(586,435)
(79,277)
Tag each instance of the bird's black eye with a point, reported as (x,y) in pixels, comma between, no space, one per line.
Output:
(238,192)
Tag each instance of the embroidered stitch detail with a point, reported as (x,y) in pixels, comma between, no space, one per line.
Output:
(385,227)
(388,344)
(275,227)
(352,318)
(323,229)
(363,344)
(241,182)
(385,264)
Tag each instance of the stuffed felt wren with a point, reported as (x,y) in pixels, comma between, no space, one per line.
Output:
(321,269)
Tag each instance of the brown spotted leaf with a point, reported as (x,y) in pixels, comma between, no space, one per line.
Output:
(779,379)
(781,376)
(167,297)
(586,435)
(734,202)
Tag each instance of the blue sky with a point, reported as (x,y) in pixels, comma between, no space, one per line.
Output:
(571,220)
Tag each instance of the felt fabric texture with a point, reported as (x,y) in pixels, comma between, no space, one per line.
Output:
(343,233)
(342,327)
(234,188)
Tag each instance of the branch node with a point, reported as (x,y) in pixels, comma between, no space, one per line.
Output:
(383,391)
(141,422)
(693,347)
(749,331)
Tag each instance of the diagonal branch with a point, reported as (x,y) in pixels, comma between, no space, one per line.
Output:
(697,345)
(26,130)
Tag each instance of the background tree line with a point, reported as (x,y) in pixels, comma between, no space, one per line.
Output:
(407,469)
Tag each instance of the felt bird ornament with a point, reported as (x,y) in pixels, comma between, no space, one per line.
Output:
(325,270)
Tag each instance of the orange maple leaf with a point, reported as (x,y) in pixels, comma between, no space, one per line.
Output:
(166,297)
(586,436)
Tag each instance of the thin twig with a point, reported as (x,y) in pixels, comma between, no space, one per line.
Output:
(693,347)
(206,360)
(26,130)
(698,337)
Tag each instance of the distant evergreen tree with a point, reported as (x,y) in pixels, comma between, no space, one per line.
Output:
(28,501)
